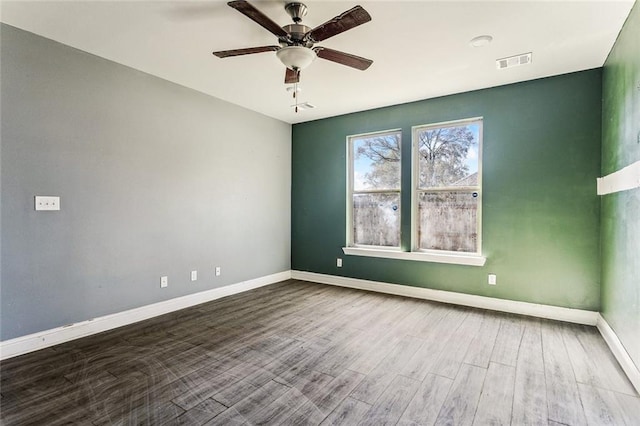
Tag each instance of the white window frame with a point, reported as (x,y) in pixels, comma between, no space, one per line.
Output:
(436,256)
(416,190)
(351,191)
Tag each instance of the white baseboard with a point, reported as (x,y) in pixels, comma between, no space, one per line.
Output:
(577,316)
(618,350)
(44,339)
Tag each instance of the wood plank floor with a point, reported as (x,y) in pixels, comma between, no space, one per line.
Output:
(297,353)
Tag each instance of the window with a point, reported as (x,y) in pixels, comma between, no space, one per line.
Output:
(446,194)
(446,183)
(374,190)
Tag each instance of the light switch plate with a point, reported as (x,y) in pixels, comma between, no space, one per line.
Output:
(46,202)
(194,275)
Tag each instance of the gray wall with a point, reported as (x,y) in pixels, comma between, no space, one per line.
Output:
(154,179)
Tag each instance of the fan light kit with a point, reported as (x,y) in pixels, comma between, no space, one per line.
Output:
(296,41)
(296,57)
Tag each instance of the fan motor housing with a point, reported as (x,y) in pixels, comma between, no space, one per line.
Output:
(296,35)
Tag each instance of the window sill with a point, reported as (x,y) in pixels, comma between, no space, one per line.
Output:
(452,258)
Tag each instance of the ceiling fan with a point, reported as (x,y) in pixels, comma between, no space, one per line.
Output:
(296,50)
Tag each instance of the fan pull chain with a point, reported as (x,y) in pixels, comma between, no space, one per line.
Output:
(295,90)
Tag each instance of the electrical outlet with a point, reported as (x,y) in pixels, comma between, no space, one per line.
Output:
(164,282)
(43,202)
(218,271)
(339,262)
(491,279)
(194,275)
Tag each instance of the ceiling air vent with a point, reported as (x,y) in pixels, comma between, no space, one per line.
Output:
(513,61)
(303,106)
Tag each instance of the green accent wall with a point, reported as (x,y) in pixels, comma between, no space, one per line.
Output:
(541,214)
(621,211)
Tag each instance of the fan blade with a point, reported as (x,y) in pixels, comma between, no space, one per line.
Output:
(247,51)
(292,76)
(347,59)
(260,18)
(341,23)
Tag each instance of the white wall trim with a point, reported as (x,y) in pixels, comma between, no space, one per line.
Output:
(618,350)
(44,339)
(622,180)
(524,308)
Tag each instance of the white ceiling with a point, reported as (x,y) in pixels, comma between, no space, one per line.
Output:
(420,49)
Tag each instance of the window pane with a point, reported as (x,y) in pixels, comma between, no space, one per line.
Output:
(448,221)
(376,219)
(376,162)
(448,156)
